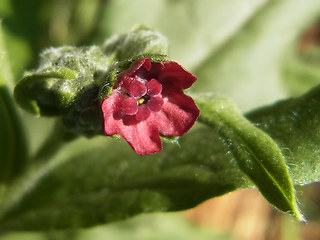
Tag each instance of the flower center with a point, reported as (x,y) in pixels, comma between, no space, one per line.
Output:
(144,99)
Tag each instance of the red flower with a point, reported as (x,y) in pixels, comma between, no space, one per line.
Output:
(147,100)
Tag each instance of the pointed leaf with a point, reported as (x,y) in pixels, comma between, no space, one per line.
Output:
(256,153)
(294,125)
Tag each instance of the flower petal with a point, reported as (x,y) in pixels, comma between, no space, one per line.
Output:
(143,138)
(155,103)
(129,106)
(154,87)
(172,74)
(111,112)
(143,113)
(134,87)
(177,116)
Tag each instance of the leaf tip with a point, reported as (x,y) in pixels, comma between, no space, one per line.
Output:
(298,214)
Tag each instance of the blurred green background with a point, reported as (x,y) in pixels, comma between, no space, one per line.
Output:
(253,51)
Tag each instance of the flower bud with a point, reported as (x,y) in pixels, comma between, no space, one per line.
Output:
(65,78)
(125,87)
(142,42)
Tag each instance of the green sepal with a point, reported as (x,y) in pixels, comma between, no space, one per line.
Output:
(107,87)
(169,139)
(106,84)
(153,57)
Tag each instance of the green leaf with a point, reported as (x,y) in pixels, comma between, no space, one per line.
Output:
(13,149)
(194,28)
(256,153)
(294,125)
(65,191)
(102,180)
(145,227)
(249,67)
(205,163)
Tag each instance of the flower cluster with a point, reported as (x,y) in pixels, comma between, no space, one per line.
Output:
(148,101)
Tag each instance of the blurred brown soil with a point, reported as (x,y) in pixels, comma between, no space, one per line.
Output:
(246,215)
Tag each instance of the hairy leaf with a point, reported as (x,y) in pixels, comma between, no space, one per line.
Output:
(201,165)
(248,68)
(106,181)
(294,125)
(256,153)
